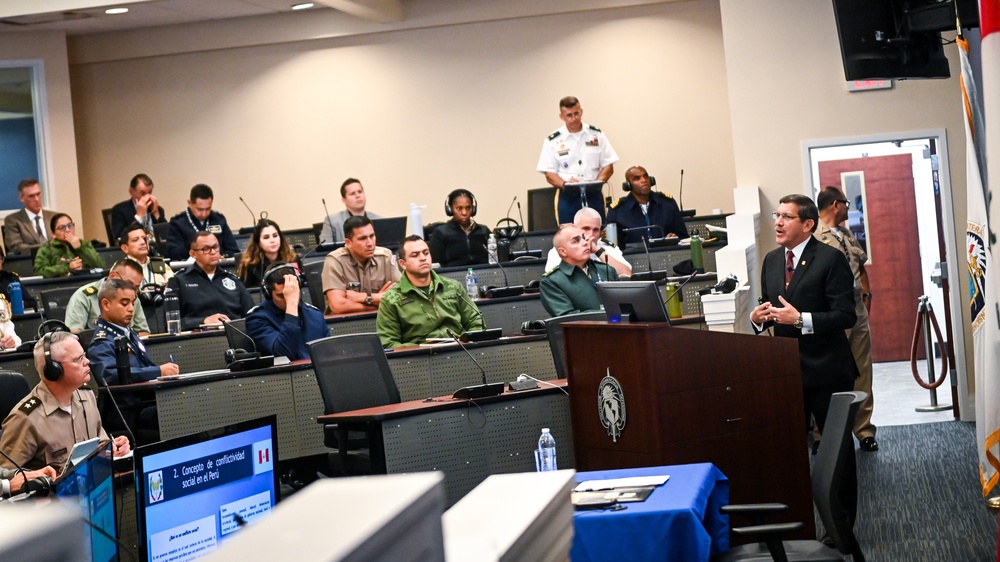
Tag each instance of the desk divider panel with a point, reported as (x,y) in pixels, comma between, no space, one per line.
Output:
(352,326)
(469,444)
(23,363)
(308,406)
(201,353)
(184,410)
(511,314)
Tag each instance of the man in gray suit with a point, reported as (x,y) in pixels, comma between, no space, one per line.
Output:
(26,229)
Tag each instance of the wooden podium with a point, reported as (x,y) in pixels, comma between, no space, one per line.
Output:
(691,396)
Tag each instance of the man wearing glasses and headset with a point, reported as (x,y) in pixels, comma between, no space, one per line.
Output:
(208,295)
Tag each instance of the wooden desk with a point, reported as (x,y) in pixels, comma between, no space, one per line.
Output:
(467,441)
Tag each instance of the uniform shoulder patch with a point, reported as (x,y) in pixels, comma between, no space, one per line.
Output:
(593,128)
(100,335)
(550,272)
(554,135)
(380,251)
(616,202)
(30,405)
(90,291)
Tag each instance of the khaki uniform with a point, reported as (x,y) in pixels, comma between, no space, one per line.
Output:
(84,308)
(408,315)
(341,269)
(860,335)
(150,277)
(38,432)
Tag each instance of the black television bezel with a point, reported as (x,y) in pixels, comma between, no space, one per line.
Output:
(903,54)
(191,439)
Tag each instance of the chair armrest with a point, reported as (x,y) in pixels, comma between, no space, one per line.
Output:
(748,508)
(762,531)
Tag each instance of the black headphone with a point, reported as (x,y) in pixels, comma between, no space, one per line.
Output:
(510,230)
(267,286)
(53,370)
(151,294)
(627,185)
(456,194)
(533,327)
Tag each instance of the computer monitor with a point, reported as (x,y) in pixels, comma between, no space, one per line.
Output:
(632,301)
(194,491)
(89,484)
(389,231)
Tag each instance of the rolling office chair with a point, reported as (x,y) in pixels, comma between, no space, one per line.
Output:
(829,470)
(314,279)
(13,389)
(553,327)
(54,302)
(352,373)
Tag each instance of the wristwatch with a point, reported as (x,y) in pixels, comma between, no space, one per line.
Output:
(798,322)
(369,301)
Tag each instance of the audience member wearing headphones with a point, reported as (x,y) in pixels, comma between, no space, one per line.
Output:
(589,221)
(356,276)
(572,286)
(57,413)
(423,305)
(84,305)
(644,207)
(267,246)
(208,295)
(134,243)
(282,324)
(460,241)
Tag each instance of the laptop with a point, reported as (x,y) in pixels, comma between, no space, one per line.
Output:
(389,231)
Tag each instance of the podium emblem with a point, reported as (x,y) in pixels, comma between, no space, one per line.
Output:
(611,406)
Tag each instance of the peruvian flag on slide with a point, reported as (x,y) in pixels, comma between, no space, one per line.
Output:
(988,380)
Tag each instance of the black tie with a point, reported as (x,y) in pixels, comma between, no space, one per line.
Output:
(789,267)
(38,228)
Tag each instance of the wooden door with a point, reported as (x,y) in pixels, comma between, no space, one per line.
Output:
(889,212)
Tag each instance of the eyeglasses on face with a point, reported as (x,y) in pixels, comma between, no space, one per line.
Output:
(783,216)
(67,226)
(846,203)
(208,249)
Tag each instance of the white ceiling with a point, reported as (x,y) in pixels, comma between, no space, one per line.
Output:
(76,17)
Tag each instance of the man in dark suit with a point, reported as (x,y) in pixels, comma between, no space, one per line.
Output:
(27,229)
(807,293)
(141,207)
(809,296)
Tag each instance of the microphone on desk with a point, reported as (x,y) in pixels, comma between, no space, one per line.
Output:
(121,361)
(328,221)
(478,390)
(238,360)
(527,248)
(253,216)
(20,469)
(680,288)
(479,335)
(98,375)
(507,290)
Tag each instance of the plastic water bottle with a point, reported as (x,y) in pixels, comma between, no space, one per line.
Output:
(16,300)
(545,456)
(471,284)
(491,248)
(697,255)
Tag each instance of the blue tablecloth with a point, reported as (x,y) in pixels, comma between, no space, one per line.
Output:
(679,521)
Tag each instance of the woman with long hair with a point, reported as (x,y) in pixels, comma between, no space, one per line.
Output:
(267,246)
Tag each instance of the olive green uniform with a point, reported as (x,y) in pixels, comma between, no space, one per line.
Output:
(84,308)
(408,315)
(568,289)
(53,257)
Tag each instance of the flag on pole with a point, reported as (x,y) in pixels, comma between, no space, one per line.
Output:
(980,238)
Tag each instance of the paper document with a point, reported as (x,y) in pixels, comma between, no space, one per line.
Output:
(611,484)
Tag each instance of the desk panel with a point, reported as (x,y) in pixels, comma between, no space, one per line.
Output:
(469,442)
(183,410)
(308,407)
(199,352)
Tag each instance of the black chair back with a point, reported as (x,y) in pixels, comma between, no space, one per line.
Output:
(106,215)
(352,373)
(13,388)
(557,345)
(236,335)
(314,279)
(54,302)
(834,472)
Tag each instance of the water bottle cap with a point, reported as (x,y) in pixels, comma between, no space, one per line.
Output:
(545,430)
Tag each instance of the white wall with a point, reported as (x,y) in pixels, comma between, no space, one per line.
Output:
(414,113)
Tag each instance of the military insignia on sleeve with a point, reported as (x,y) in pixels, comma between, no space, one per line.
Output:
(554,135)
(215,229)
(229,284)
(30,405)
(593,128)
(90,291)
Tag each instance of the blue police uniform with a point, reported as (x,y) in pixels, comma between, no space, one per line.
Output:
(277,333)
(183,227)
(102,348)
(663,211)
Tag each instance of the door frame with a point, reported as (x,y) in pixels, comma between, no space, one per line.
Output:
(957,302)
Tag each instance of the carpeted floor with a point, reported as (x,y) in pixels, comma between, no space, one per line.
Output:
(920,496)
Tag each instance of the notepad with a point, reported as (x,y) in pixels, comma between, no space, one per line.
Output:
(614,483)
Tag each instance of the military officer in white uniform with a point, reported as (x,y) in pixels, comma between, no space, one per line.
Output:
(576,152)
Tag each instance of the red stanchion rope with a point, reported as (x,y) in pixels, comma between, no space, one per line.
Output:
(913,351)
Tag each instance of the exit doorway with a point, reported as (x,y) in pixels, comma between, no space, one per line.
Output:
(901,209)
